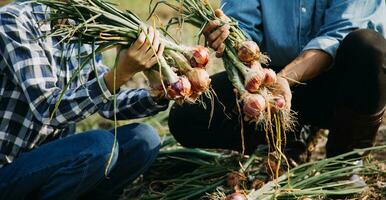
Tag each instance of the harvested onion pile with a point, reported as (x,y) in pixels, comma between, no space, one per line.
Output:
(100,24)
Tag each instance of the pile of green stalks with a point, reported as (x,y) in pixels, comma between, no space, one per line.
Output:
(181,173)
(338,176)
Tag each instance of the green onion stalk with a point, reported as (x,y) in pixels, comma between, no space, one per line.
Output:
(219,175)
(253,83)
(242,54)
(244,63)
(100,23)
(332,177)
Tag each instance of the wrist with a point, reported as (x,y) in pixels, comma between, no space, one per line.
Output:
(119,80)
(291,77)
(160,100)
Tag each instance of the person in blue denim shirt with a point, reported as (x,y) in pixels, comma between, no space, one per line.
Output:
(41,157)
(336,47)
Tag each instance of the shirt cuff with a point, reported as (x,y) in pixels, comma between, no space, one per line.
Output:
(327,44)
(98,91)
(161,104)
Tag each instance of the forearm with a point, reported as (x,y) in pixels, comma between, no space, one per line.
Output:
(308,65)
(120,79)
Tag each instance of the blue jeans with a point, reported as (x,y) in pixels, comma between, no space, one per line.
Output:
(74,167)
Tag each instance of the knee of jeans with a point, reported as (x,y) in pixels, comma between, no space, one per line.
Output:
(366,44)
(102,149)
(146,135)
(144,142)
(178,128)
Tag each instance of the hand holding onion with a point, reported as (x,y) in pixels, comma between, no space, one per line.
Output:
(136,58)
(216,32)
(282,88)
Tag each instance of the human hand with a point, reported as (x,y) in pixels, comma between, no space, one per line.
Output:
(142,54)
(282,88)
(216,33)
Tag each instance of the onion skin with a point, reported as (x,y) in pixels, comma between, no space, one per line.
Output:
(257,184)
(199,79)
(255,65)
(236,196)
(194,96)
(270,77)
(279,103)
(180,89)
(254,104)
(199,57)
(254,80)
(157,90)
(234,179)
(248,51)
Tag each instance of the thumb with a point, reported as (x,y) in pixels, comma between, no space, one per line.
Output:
(220,14)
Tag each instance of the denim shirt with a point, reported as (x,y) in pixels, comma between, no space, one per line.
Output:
(285,28)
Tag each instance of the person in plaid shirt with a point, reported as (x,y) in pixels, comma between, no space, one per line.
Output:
(40,156)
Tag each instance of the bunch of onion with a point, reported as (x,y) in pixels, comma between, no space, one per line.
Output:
(102,25)
(263,107)
(243,62)
(180,81)
(256,90)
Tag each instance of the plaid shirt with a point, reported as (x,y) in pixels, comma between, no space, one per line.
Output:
(33,73)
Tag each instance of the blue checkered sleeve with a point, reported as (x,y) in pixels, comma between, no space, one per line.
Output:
(36,75)
(131,103)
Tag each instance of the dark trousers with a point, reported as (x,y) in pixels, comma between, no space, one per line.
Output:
(356,82)
(74,167)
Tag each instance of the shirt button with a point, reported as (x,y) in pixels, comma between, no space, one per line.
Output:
(304,9)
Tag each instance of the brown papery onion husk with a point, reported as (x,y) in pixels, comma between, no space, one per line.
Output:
(248,51)
(198,56)
(235,178)
(255,65)
(278,103)
(199,78)
(270,77)
(254,105)
(236,196)
(253,80)
(181,89)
